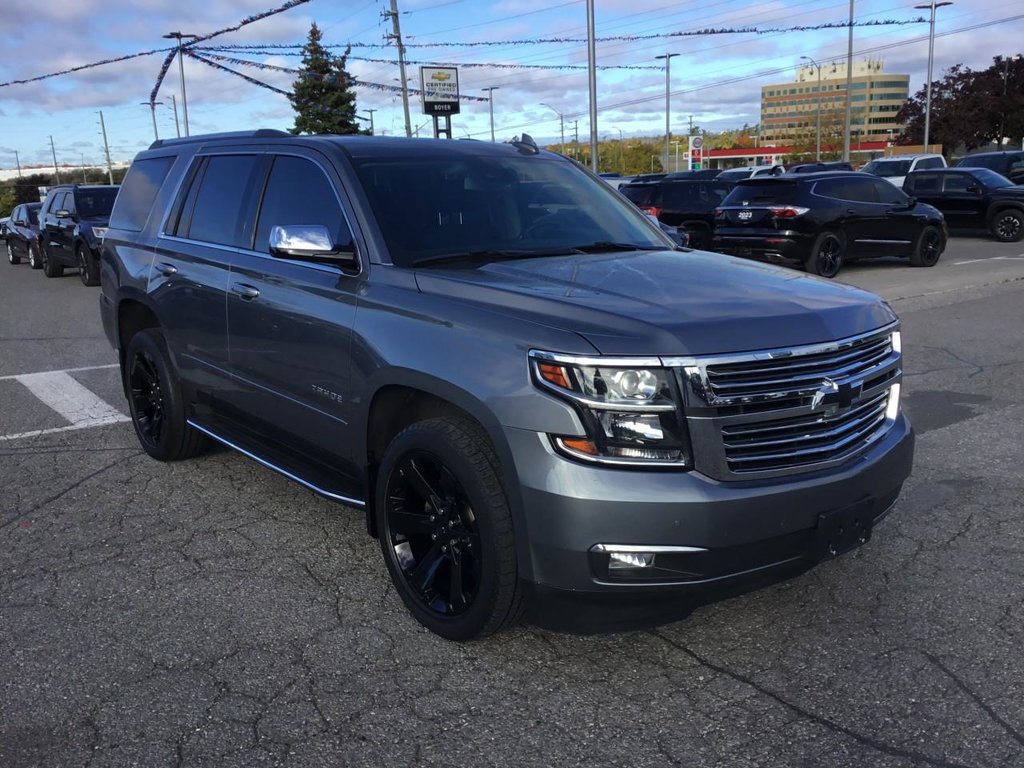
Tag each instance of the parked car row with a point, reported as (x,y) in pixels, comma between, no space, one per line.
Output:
(65,230)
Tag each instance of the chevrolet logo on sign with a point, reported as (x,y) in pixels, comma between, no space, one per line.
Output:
(442,76)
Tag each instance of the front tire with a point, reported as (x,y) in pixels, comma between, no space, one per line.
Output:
(928,248)
(88,269)
(11,257)
(826,257)
(445,529)
(155,401)
(1008,226)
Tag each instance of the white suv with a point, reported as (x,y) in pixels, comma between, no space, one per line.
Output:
(895,169)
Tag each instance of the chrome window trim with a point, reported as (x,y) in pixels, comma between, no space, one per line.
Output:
(334,270)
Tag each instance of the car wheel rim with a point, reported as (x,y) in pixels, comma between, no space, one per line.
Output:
(828,257)
(147,397)
(433,535)
(1008,227)
(930,248)
(10,253)
(83,267)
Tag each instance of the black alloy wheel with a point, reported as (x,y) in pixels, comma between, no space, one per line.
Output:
(155,401)
(11,257)
(433,532)
(34,259)
(445,529)
(1008,226)
(826,257)
(86,266)
(928,248)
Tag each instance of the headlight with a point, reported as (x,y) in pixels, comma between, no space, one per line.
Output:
(99,232)
(631,412)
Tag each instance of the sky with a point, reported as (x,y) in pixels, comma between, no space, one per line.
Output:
(716,79)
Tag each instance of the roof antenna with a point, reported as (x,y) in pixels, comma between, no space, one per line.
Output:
(525,144)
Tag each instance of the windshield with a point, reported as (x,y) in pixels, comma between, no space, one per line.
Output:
(735,174)
(33,214)
(991,179)
(762,192)
(522,204)
(641,194)
(95,203)
(888,168)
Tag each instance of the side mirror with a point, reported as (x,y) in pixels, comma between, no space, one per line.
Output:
(911,201)
(63,213)
(18,223)
(310,242)
(973,189)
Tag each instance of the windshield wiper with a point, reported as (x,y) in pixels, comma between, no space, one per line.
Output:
(603,246)
(491,255)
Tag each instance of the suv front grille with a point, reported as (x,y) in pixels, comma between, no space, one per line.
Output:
(787,411)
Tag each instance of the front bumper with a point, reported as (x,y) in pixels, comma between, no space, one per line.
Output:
(751,533)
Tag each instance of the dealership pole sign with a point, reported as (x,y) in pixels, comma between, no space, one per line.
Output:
(696,158)
(439,90)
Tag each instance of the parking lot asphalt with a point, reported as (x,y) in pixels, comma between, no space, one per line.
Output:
(212,613)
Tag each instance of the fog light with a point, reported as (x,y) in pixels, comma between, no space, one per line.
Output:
(618,561)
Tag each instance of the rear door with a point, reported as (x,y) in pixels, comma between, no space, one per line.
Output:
(291,321)
(212,217)
(861,216)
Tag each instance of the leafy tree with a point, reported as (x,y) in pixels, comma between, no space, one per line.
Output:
(969,107)
(322,95)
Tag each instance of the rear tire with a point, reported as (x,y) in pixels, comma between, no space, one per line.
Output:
(10,254)
(88,269)
(826,257)
(445,529)
(155,401)
(928,248)
(1008,226)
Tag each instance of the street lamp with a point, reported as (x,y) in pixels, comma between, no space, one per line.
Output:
(1006,79)
(561,123)
(370,118)
(622,155)
(817,140)
(181,72)
(152,111)
(490,105)
(668,100)
(931,55)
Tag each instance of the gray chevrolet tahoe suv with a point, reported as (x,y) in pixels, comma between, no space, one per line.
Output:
(542,406)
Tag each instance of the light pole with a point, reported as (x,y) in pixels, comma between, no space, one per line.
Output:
(370,118)
(931,57)
(152,111)
(174,104)
(622,151)
(1006,79)
(676,166)
(181,73)
(490,105)
(561,123)
(849,85)
(817,140)
(668,100)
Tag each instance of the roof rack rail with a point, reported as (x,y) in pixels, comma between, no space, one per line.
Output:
(261,133)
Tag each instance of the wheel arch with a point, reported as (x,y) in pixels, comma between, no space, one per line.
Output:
(405,397)
(134,313)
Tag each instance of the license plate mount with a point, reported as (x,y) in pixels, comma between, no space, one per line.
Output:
(841,530)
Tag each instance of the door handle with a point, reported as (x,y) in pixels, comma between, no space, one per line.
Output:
(246,291)
(851,210)
(166,269)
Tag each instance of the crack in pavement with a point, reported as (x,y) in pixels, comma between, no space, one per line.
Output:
(1017,736)
(825,722)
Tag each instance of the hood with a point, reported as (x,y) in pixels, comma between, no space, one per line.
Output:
(1013,193)
(666,302)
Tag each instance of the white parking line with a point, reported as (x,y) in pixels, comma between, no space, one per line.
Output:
(62,370)
(991,258)
(59,391)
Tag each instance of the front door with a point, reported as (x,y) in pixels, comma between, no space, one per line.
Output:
(290,325)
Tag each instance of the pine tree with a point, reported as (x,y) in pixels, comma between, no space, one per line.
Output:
(322,96)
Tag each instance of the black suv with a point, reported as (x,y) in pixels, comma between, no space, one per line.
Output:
(22,230)
(1009,163)
(824,219)
(72,223)
(686,203)
(972,198)
(538,403)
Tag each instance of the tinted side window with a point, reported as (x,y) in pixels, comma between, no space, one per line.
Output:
(298,192)
(220,215)
(138,191)
(958,182)
(850,189)
(930,162)
(923,183)
(888,193)
(67,203)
